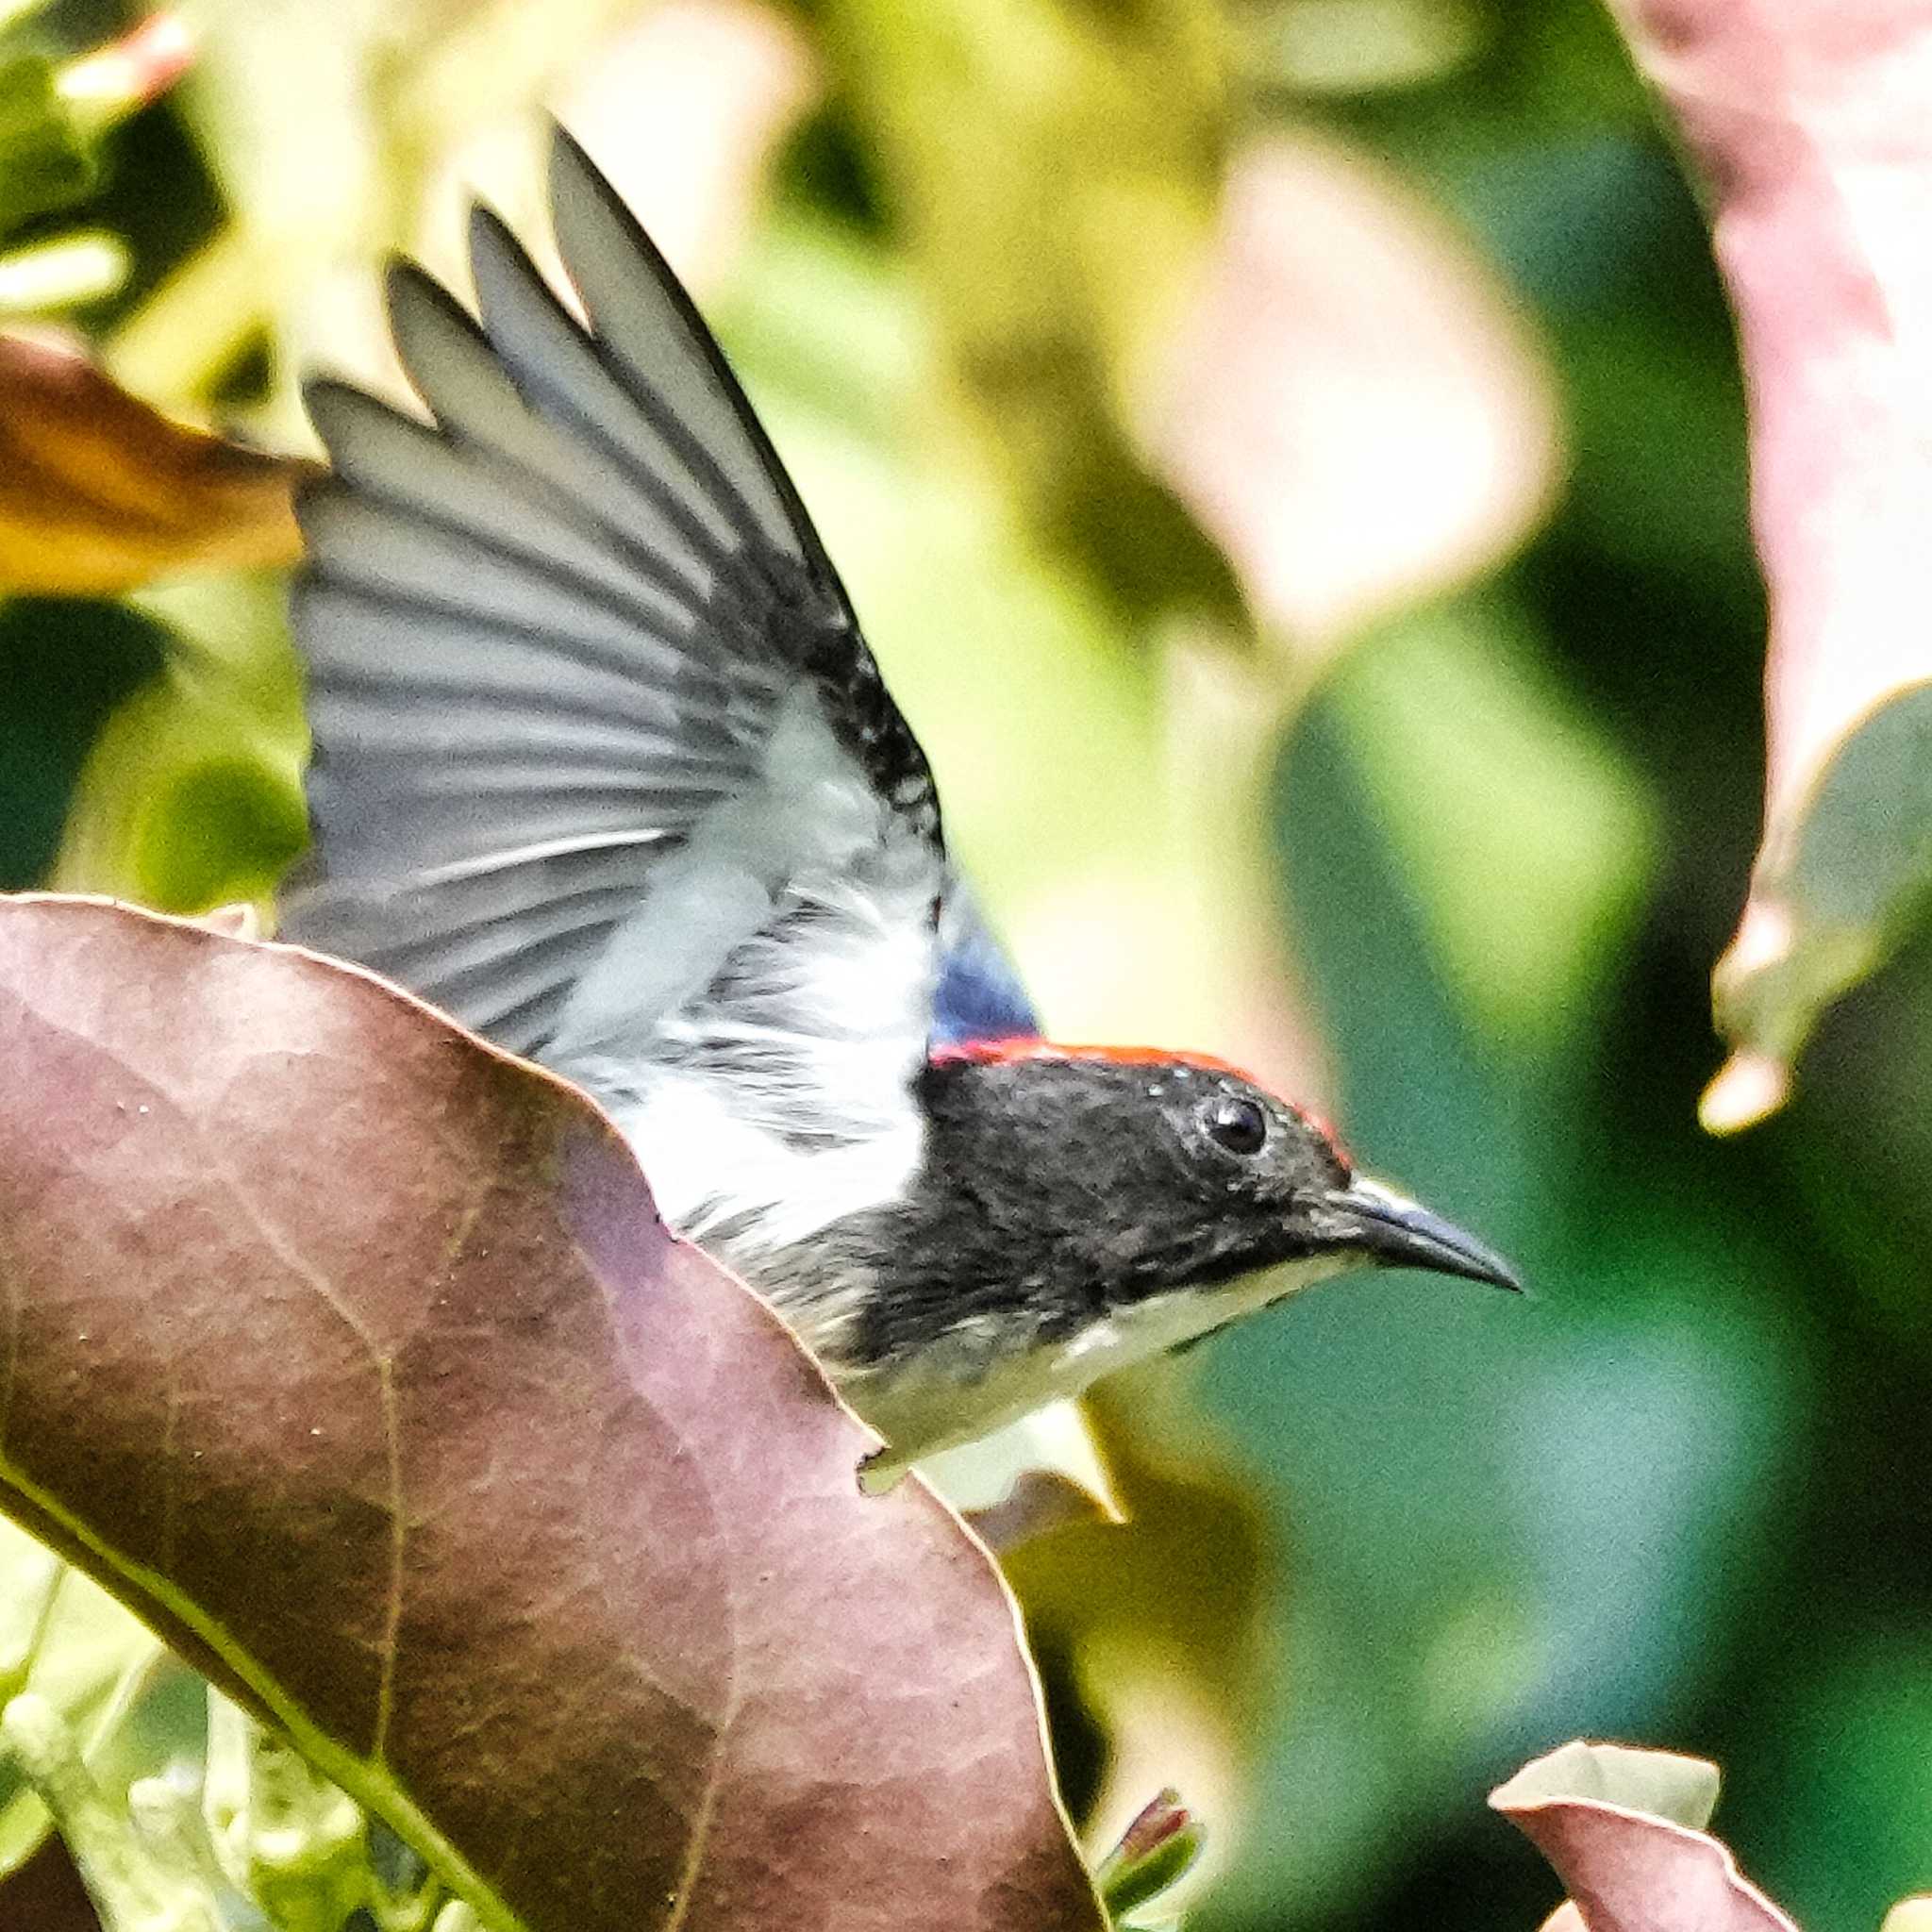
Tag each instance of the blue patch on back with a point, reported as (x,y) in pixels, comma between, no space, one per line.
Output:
(979,996)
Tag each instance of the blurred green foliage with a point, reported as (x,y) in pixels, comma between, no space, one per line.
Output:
(1503,838)
(47,166)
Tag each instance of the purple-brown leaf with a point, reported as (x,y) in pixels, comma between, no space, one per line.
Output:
(351,1352)
(1595,1811)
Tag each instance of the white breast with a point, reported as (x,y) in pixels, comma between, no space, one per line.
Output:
(985,1376)
(757,1025)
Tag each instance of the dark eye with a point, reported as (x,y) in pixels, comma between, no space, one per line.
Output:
(1235,1123)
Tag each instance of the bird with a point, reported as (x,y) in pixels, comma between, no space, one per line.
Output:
(604,767)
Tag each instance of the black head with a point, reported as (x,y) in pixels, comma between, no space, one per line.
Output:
(1143,1172)
(1070,1183)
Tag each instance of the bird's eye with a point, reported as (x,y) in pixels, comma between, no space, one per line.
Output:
(1235,1123)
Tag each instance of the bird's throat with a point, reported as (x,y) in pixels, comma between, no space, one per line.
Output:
(991,1370)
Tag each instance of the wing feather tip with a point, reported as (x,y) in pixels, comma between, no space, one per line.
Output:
(493,244)
(569,160)
(341,412)
(578,181)
(407,285)
(420,308)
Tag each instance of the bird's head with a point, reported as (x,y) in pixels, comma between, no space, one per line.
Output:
(1165,1171)
(1083,1209)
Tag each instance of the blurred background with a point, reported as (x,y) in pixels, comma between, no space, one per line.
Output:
(1288,456)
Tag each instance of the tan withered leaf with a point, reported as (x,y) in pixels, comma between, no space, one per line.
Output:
(352,1353)
(1623,1829)
(100,493)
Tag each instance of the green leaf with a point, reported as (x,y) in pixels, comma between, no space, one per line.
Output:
(1054,168)
(1013,675)
(44,163)
(285,1836)
(1660,1784)
(1457,1478)
(1154,1854)
(191,795)
(65,1640)
(1527,840)
(1840,1788)
(132,1888)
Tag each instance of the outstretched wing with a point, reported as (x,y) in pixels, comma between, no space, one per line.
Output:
(602,764)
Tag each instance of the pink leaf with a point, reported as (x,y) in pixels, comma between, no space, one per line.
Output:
(1351,406)
(1807,121)
(1589,1809)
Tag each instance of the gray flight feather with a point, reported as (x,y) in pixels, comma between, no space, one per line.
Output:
(602,764)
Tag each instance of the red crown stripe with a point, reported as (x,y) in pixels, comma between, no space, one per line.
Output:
(1009,1051)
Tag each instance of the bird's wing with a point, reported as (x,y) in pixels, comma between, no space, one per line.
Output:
(602,764)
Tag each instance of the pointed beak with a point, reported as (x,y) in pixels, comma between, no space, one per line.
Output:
(1400,1233)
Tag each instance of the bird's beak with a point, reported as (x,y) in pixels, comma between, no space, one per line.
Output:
(1400,1233)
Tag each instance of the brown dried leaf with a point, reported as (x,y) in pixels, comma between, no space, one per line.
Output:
(1600,1814)
(99,493)
(352,1351)
(1808,125)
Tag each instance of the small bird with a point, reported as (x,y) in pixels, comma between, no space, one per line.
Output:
(604,767)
